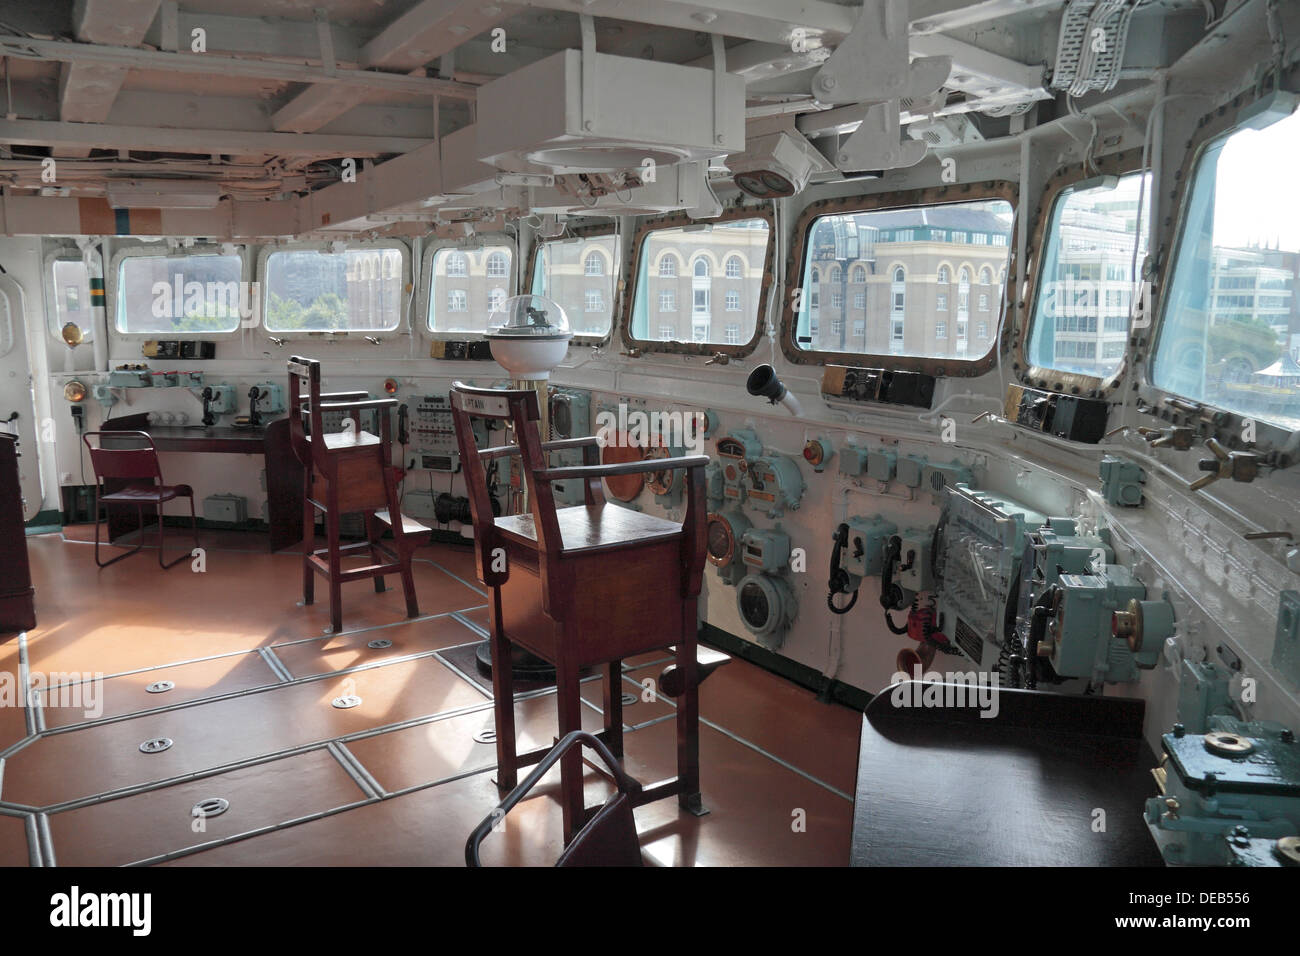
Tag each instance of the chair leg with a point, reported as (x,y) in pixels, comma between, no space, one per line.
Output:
(503,700)
(401,547)
(568,700)
(335,563)
(688,719)
(374,531)
(614,708)
(194,524)
(308,541)
(104,564)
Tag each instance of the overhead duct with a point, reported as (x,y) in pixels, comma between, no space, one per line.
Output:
(582,111)
(684,186)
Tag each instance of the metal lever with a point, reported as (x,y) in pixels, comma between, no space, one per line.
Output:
(279,343)
(718,358)
(1237,465)
(1177,438)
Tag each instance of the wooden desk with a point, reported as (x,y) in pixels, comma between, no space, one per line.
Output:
(283,470)
(945,787)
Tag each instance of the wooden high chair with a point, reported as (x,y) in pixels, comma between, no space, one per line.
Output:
(583,586)
(347,472)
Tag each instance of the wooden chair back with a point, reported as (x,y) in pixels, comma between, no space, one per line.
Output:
(518,407)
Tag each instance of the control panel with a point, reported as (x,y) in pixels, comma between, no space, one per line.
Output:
(433,433)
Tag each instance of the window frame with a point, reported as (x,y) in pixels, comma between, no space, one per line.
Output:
(955,366)
(617,273)
(64,254)
(164,250)
(1167,408)
(678,221)
(1123,163)
(263,259)
(420,317)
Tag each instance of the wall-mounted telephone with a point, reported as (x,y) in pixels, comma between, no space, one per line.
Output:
(841,581)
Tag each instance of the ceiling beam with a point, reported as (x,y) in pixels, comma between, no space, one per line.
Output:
(87,90)
(202,64)
(422,34)
(201,141)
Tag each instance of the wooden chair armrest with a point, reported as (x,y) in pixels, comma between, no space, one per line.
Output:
(561,444)
(624,468)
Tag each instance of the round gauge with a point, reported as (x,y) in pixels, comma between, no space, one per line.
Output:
(723,531)
(561,418)
(754,606)
(767,606)
(74,392)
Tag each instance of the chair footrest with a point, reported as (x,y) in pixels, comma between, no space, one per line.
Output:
(707,660)
(409,524)
(353,574)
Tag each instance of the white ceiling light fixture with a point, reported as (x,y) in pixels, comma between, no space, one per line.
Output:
(163,194)
(583,111)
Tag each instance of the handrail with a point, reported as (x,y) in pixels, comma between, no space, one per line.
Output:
(626,784)
(560,444)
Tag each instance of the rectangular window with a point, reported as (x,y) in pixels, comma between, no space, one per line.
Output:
(908,276)
(189,293)
(71,297)
(999,239)
(859,300)
(667,333)
(358,289)
(571,270)
(1244,189)
(982,330)
(983,302)
(859,327)
(733,334)
(837,326)
(1092,233)
(667,301)
(941,330)
(716,257)
(463,284)
(980,238)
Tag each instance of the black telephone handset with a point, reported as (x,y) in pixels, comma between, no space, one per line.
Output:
(403,432)
(840,582)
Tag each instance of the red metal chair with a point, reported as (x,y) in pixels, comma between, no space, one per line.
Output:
(138,479)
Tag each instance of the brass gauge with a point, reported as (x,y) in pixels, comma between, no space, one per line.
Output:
(723,534)
(74,391)
(72,335)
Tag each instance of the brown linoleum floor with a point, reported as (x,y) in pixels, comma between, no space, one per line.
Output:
(399,779)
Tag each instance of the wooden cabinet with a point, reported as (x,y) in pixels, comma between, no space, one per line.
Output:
(17,597)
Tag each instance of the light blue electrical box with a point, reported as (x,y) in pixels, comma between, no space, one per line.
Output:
(881,464)
(765,549)
(223,399)
(910,469)
(854,461)
(865,550)
(270,398)
(1121,482)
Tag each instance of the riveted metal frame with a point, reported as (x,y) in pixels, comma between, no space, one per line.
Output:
(1272,441)
(932,196)
(1072,383)
(678,220)
(593,231)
